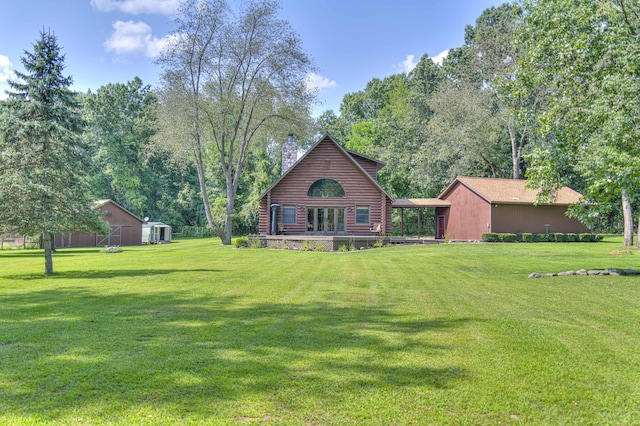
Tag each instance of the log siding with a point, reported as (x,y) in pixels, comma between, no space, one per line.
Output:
(327,160)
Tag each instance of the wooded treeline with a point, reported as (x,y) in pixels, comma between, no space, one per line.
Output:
(541,89)
(544,89)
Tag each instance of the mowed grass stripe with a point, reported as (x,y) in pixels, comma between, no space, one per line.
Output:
(197,333)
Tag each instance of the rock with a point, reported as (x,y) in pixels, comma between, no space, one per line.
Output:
(616,271)
(551,274)
(535,275)
(565,273)
(597,272)
(630,272)
(582,272)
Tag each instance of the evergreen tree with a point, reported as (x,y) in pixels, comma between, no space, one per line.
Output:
(43,186)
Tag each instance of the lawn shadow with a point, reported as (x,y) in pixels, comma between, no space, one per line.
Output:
(189,354)
(102,274)
(40,253)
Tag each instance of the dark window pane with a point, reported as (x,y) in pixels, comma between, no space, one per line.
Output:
(326,188)
(362,214)
(289,214)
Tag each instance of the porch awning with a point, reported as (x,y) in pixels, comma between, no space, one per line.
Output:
(419,203)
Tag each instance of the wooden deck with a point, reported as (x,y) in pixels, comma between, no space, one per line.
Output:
(335,242)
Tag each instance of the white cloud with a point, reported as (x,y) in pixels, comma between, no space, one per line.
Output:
(316,82)
(6,73)
(134,38)
(408,64)
(135,7)
(440,57)
(6,69)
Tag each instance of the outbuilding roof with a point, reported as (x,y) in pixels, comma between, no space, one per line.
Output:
(102,203)
(414,203)
(509,191)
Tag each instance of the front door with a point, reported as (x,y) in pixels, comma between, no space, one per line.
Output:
(325,220)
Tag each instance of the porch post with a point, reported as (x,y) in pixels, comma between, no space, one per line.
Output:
(401,222)
(419,221)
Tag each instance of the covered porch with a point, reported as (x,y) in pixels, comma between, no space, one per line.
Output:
(421,204)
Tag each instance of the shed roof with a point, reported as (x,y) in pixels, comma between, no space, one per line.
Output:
(158,224)
(414,203)
(101,203)
(509,191)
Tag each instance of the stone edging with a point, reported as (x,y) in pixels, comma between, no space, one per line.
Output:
(609,271)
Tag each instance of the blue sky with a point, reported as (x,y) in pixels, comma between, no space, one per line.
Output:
(351,41)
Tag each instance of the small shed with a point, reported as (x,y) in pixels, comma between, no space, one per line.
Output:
(156,233)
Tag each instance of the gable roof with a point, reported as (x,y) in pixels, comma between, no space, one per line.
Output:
(509,191)
(348,154)
(380,164)
(102,203)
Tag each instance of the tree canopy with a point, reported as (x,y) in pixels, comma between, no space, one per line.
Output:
(231,79)
(587,54)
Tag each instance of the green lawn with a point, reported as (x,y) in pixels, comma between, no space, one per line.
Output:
(197,333)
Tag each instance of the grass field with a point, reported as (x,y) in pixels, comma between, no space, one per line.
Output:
(197,333)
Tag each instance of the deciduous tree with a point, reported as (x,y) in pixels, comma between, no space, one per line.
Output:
(588,54)
(231,79)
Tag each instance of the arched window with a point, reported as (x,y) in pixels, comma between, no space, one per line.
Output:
(326,188)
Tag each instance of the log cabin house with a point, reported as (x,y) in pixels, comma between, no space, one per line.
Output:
(328,191)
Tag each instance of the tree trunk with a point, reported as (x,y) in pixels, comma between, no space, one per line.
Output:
(205,197)
(627,214)
(228,226)
(638,239)
(48,258)
(515,157)
(231,201)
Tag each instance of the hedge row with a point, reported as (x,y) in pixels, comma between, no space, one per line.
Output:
(525,237)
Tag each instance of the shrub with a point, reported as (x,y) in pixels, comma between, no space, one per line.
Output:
(343,248)
(306,246)
(507,237)
(378,243)
(571,237)
(551,237)
(597,237)
(490,237)
(195,231)
(560,237)
(241,242)
(584,238)
(319,248)
(255,243)
(112,249)
(526,237)
(540,238)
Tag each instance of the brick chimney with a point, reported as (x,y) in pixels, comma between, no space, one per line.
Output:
(289,153)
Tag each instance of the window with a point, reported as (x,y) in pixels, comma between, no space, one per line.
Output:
(362,215)
(288,214)
(326,188)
